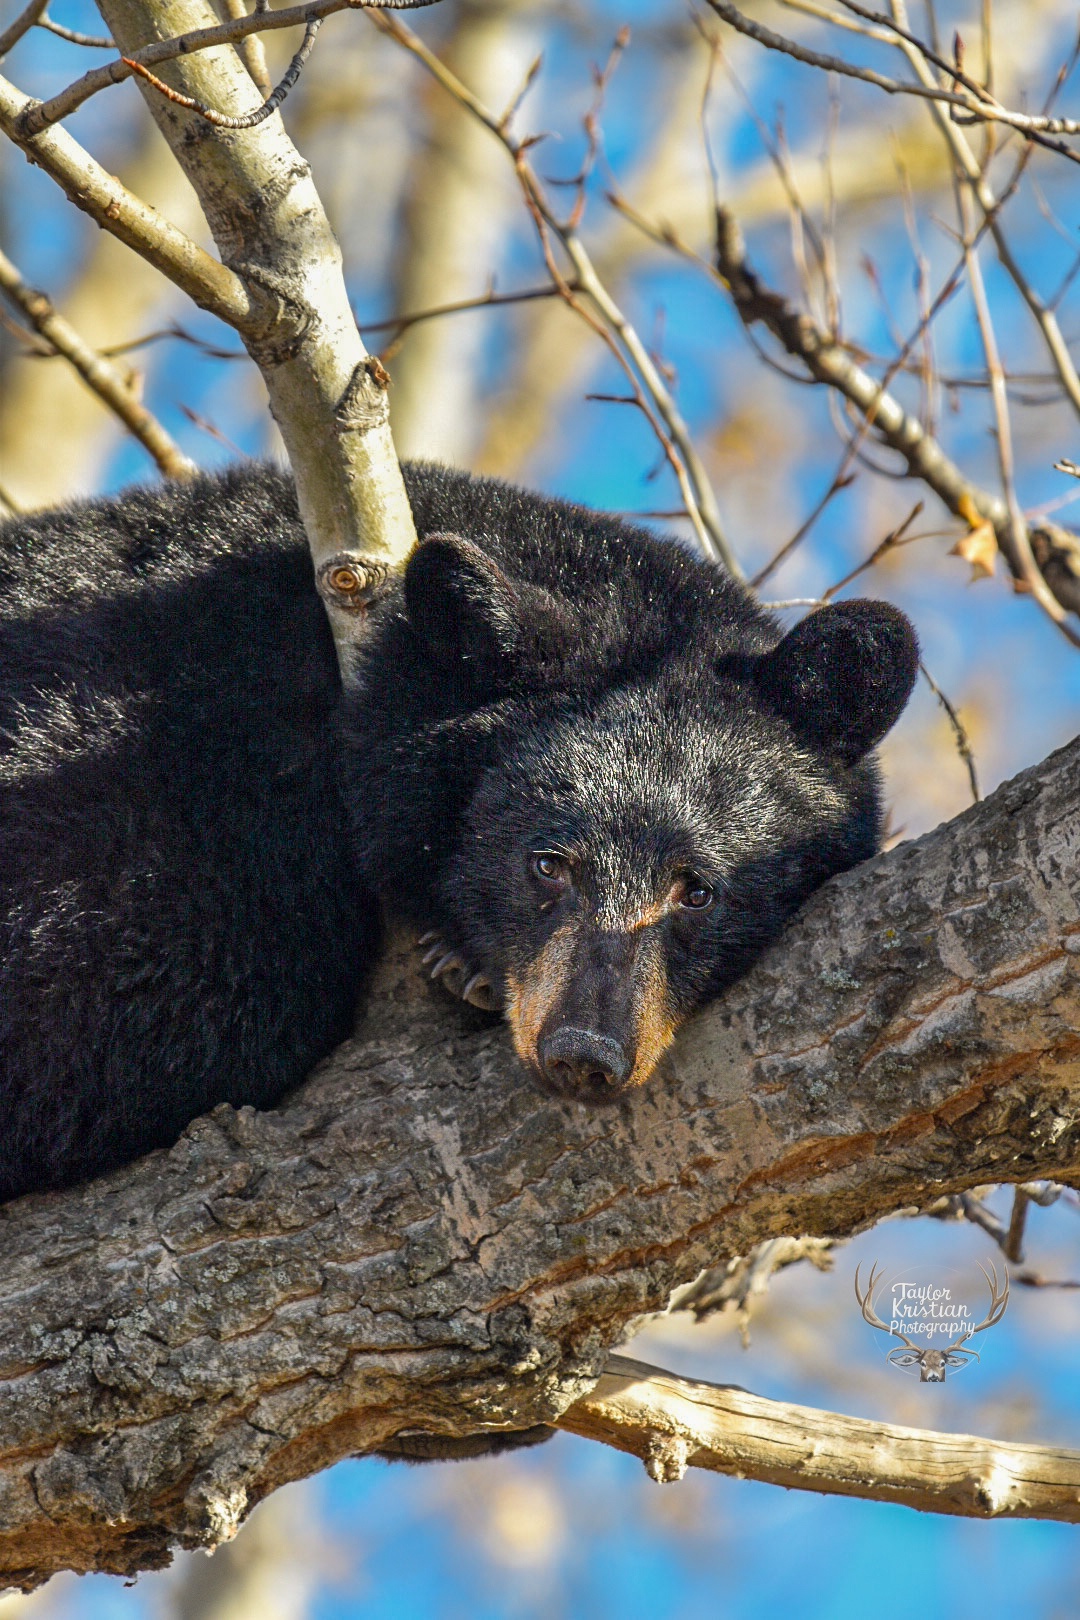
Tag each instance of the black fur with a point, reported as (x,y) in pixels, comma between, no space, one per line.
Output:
(195,821)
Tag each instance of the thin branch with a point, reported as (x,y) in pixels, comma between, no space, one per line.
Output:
(244,120)
(841,480)
(605,317)
(894,538)
(96,42)
(98,193)
(1033,127)
(673,1423)
(959,731)
(397,324)
(22,25)
(828,363)
(990,204)
(112,385)
(41,114)
(1018,529)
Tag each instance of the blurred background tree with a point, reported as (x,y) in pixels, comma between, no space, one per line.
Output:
(931,249)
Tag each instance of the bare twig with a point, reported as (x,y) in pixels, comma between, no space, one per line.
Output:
(827,362)
(1034,127)
(39,115)
(841,480)
(1018,529)
(895,537)
(397,324)
(244,120)
(112,386)
(964,158)
(959,731)
(600,312)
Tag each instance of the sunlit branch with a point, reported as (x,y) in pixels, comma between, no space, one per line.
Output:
(827,362)
(98,193)
(40,114)
(603,314)
(1033,127)
(673,1423)
(112,386)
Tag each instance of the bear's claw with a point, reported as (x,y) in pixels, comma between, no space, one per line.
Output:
(451,968)
(478,991)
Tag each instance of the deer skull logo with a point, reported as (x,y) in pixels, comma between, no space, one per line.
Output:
(933,1364)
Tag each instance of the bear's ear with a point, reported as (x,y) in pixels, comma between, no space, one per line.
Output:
(842,676)
(464,608)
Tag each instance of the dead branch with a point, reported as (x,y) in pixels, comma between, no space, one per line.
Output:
(673,1423)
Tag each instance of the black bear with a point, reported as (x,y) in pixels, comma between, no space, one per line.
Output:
(586,762)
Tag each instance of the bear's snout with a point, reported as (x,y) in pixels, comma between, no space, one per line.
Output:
(583,1064)
(590,1014)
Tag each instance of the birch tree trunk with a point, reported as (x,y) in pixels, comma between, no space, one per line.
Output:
(327,395)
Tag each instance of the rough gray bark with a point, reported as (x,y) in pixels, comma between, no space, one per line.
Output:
(418,1240)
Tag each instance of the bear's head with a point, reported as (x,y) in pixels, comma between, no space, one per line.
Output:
(633,847)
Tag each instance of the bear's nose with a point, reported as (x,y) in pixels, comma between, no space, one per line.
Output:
(578,1061)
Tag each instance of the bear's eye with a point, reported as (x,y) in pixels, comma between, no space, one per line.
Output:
(549,868)
(694,894)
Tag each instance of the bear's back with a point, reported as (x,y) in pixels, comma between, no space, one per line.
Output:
(178,921)
(636,597)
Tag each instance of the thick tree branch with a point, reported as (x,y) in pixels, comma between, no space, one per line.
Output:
(283,290)
(419,1241)
(674,1423)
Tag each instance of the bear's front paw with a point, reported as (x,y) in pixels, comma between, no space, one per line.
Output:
(456,974)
